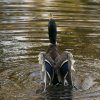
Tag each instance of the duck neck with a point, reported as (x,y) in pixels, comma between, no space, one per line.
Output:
(52,31)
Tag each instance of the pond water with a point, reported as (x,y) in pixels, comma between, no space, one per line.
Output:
(23,35)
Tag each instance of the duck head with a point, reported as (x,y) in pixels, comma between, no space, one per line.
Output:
(52,31)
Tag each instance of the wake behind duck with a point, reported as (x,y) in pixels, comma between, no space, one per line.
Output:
(55,66)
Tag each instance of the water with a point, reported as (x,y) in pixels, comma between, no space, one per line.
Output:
(23,34)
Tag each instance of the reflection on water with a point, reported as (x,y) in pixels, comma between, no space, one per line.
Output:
(23,34)
(59,93)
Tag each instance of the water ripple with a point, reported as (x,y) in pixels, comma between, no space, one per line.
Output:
(23,34)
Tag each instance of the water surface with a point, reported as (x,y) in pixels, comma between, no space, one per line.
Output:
(23,34)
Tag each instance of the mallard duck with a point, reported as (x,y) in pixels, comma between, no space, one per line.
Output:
(55,66)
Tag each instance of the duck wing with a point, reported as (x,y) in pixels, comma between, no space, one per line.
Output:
(64,66)
(49,68)
(47,64)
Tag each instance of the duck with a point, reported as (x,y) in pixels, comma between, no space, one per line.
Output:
(55,66)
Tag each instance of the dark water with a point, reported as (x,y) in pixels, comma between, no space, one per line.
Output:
(23,34)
